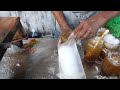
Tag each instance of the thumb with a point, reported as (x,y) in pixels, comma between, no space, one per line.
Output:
(72,35)
(59,41)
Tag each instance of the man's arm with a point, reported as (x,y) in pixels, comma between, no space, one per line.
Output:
(109,14)
(105,16)
(59,16)
(90,26)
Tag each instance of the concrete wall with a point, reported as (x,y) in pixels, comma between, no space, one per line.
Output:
(44,20)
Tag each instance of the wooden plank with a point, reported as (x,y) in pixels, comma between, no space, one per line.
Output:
(8,27)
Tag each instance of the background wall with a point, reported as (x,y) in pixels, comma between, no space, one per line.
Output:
(44,20)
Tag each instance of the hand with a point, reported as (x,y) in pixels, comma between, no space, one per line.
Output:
(64,35)
(89,27)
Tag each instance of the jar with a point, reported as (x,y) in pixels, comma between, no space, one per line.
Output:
(111,43)
(111,64)
(91,53)
(102,55)
(111,46)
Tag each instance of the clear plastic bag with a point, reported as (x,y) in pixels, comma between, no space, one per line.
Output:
(70,64)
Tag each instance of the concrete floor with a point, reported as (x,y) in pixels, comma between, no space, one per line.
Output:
(41,62)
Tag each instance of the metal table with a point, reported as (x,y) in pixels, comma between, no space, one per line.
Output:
(40,62)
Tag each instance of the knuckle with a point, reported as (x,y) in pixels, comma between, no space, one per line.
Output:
(85,36)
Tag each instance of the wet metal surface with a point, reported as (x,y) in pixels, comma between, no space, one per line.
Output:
(13,63)
(44,60)
(38,63)
(41,62)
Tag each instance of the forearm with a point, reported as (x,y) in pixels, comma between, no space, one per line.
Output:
(103,17)
(109,14)
(61,20)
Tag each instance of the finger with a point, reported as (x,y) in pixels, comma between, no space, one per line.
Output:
(71,36)
(92,34)
(83,31)
(78,28)
(86,34)
(59,41)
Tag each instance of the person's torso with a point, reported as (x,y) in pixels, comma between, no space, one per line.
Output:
(74,17)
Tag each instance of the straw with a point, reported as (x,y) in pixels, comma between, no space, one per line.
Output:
(98,42)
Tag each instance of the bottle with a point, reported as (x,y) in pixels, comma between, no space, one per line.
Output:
(34,34)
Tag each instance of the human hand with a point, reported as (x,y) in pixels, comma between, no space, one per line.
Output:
(64,35)
(89,27)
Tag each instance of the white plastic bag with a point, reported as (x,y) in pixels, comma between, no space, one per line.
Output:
(70,65)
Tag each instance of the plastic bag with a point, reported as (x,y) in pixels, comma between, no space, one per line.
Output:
(70,64)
